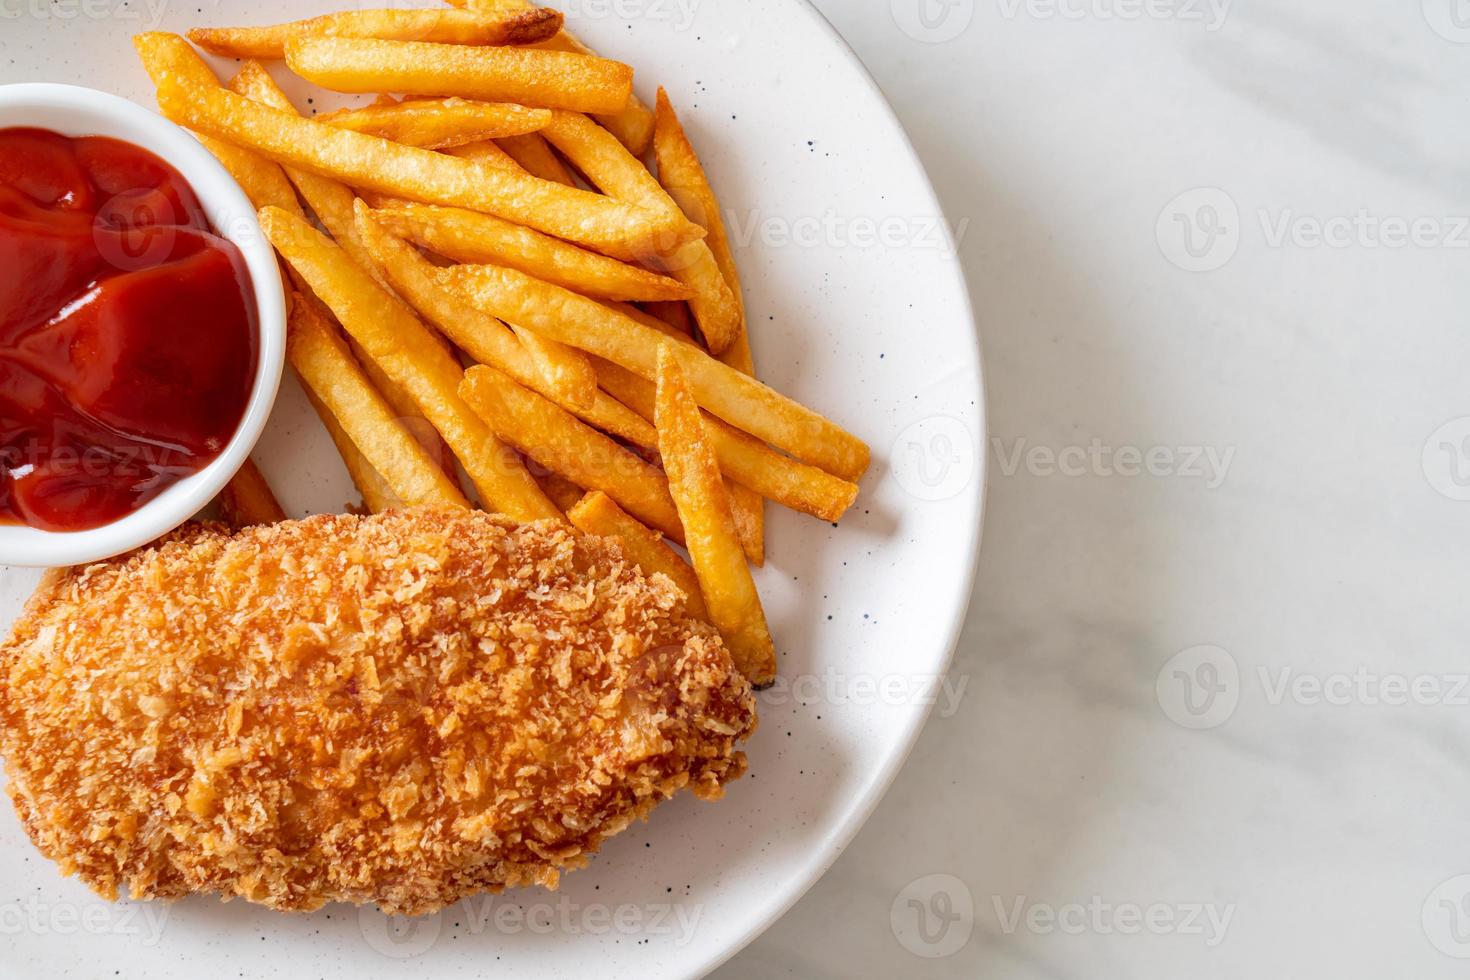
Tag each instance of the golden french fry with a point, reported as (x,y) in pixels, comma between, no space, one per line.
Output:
(336,380)
(487,152)
(409,415)
(332,204)
(597,514)
(263,181)
(485,338)
(442,26)
(377,496)
(682,174)
(409,353)
(749,510)
(633,124)
(650,321)
(328,199)
(468,236)
(535,156)
(750,463)
(567,373)
(165,55)
(566,369)
(438,124)
(619,174)
(676,315)
(704,509)
(247,499)
(563,492)
(590,326)
(611,227)
(554,438)
(547,79)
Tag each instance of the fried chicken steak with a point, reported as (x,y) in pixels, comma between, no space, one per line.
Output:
(402,709)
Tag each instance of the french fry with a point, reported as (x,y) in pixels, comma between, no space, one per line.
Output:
(377,496)
(650,321)
(442,26)
(485,338)
(336,380)
(168,56)
(546,79)
(749,510)
(535,156)
(566,371)
(676,315)
(610,227)
(438,124)
(247,499)
(468,236)
(407,410)
(704,509)
(747,461)
(633,124)
(619,174)
(590,326)
(263,181)
(563,492)
(554,438)
(597,514)
(409,353)
(682,174)
(487,152)
(332,204)
(330,200)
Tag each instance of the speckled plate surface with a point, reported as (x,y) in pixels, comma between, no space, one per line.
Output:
(858,308)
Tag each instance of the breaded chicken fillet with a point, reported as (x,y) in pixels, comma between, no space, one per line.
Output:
(403,709)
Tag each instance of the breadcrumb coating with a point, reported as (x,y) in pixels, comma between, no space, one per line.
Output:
(403,709)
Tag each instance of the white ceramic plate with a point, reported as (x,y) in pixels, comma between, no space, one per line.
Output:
(858,308)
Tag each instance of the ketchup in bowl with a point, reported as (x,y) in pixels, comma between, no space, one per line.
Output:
(128,337)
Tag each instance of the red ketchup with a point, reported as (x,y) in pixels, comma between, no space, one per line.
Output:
(127,331)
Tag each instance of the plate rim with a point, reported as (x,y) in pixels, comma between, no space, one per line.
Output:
(871,795)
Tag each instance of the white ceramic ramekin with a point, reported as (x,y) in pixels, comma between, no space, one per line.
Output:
(75,111)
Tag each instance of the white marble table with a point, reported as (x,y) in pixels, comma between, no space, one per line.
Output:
(1216,714)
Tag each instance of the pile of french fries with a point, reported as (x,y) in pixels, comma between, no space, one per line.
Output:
(497,301)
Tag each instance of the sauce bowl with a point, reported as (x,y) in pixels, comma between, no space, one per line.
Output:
(74,111)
